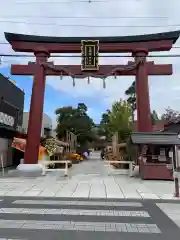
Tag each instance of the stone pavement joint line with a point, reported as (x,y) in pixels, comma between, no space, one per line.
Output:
(80,226)
(76,212)
(90,179)
(85,203)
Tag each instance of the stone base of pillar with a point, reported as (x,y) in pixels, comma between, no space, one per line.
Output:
(29,170)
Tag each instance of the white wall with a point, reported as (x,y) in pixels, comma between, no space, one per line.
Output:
(4,151)
(46,122)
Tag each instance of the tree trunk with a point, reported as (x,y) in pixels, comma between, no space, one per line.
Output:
(114,144)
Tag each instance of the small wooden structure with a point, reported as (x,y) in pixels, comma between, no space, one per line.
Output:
(58,151)
(157,154)
(61,151)
(71,139)
(117,155)
(119,161)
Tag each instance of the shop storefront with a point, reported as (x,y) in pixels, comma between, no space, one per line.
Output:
(11,112)
(157,154)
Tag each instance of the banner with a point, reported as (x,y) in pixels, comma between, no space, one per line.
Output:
(20,144)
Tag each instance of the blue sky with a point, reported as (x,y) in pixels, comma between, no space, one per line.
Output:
(55,98)
(98,18)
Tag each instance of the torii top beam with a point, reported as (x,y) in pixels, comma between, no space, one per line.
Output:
(150,42)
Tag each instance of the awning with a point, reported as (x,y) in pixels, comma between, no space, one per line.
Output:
(155,138)
(20,144)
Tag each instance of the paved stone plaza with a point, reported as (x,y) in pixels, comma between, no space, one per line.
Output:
(93,203)
(89,179)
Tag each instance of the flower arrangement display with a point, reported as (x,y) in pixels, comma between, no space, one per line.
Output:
(50,146)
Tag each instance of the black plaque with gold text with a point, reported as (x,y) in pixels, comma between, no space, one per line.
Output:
(90,52)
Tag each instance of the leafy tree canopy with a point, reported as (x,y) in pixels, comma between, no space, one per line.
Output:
(171,115)
(118,119)
(75,120)
(104,129)
(154,117)
(131,94)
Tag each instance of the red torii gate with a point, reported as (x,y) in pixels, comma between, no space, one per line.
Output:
(42,46)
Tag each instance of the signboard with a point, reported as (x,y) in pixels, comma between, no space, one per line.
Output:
(89,52)
(169,166)
(6,119)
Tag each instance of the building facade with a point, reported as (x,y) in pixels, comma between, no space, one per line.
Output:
(11,113)
(46,129)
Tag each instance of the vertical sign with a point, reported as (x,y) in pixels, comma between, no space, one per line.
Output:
(89,52)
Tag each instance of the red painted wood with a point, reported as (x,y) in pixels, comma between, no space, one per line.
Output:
(39,73)
(142,96)
(156,171)
(152,69)
(152,46)
(36,112)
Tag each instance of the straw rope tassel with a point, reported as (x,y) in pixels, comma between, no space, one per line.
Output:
(61,76)
(104,83)
(74,82)
(88,80)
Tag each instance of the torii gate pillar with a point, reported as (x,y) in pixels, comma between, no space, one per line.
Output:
(30,166)
(142,93)
(42,46)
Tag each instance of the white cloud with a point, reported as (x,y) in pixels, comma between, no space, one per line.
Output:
(164,90)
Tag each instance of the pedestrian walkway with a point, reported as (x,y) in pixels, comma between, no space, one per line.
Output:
(172,210)
(51,218)
(89,179)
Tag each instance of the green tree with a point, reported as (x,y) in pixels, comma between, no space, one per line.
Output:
(120,119)
(154,117)
(82,108)
(75,120)
(131,93)
(170,115)
(104,128)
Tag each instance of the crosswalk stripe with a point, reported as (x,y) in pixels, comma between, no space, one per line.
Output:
(80,226)
(82,203)
(67,215)
(76,212)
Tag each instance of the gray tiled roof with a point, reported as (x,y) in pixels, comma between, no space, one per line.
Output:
(155,138)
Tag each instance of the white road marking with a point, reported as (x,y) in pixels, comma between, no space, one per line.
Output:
(82,203)
(76,212)
(80,226)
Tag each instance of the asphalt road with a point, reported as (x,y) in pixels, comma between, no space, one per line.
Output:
(79,219)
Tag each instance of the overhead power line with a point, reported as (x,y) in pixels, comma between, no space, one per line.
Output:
(89,26)
(83,17)
(66,2)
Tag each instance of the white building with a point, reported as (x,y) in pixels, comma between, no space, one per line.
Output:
(46,129)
